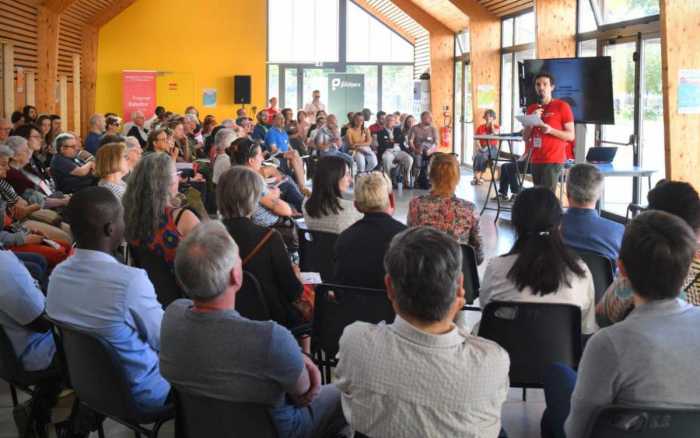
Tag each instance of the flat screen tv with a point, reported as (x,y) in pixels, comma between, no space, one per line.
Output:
(584,83)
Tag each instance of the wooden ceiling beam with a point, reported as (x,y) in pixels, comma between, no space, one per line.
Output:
(106,14)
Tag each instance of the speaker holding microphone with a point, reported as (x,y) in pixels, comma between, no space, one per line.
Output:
(241,89)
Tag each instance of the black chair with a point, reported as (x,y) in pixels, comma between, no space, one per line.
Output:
(535,335)
(199,416)
(250,301)
(337,306)
(12,371)
(160,274)
(471,274)
(316,250)
(644,422)
(602,270)
(100,382)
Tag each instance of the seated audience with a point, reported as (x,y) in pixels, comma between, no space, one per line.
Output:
(485,150)
(162,140)
(327,140)
(442,209)
(97,127)
(5,128)
(379,123)
(113,125)
(649,359)
(261,128)
(134,152)
(138,129)
(422,375)
(326,209)
(359,250)
(70,173)
(35,141)
(392,150)
(222,162)
(111,166)
(422,140)
(152,218)
(539,268)
(277,142)
(680,199)
(582,228)
(121,306)
(359,140)
(210,350)
(263,250)
(30,114)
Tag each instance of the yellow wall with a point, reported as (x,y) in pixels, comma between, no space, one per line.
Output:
(208,41)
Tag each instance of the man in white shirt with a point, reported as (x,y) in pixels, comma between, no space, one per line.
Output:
(222,162)
(315,105)
(422,375)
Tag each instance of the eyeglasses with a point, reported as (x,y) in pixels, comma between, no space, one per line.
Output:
(35,136)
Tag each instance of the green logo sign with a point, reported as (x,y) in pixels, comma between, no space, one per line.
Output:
(346,92)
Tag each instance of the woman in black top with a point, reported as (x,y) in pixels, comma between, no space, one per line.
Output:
(262,249)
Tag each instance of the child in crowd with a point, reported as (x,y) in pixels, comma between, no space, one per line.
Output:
(485,149)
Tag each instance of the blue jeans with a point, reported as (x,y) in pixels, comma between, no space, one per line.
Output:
(333,152)
(509,178)
(36,265)
(323,417)
(290,193)
(559,382)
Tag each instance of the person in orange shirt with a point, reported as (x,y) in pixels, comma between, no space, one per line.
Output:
(485,149)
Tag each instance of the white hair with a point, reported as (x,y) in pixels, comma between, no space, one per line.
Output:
(224,138)
(6,151)
(132,142)
(16,143)
(136,114)
(191,118)
(94,119)
(228,123)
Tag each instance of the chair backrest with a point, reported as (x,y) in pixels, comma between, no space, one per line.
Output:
(316,252)
(601,268)
(338,306)
(160,274)
(199,416)
(10,366)
(471,274)
(644,422)
(535,335)
(250,301)
(96,373)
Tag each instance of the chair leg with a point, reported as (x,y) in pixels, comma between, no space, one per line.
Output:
(156,429)
(524,394)
(101,430)
(137,434)
(13,392)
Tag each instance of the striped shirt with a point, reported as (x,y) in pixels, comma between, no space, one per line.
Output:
(7,193)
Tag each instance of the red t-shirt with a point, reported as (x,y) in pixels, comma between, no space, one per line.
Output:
(556,114)
(271,112)
(485,130)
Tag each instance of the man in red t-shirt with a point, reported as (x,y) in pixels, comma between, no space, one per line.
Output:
(272,110)
(549,142)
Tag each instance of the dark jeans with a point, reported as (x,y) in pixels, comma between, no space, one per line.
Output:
(289,192)
(509,178)
(37,266)
(546,175)
(559,382)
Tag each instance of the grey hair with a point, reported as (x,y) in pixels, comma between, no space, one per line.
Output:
(132,142)
(62,138)
(238,192)
(204,260)
(191,118)
(16,143)
(228,123)
(224,138)
(6,151)
(584,183)
(136,114)
(94,119)
(147,195)
(424,264)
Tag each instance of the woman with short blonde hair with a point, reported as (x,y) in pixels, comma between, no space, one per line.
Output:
(110,166)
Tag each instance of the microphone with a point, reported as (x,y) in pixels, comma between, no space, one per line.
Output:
(540,100)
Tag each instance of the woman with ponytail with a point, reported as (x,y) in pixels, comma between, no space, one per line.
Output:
(539,268)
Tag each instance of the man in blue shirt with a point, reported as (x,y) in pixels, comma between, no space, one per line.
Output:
(276,138)
(97,128)
(92,291)
(582,227)
(277,141)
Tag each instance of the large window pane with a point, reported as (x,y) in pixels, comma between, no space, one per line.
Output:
(397,88)
(525,28)
(291,89)
(371,85)
(586,18)
(462,43)
(458,106)
(506,92)
(613,11)
(652,140)
(369,40)
(507,33)
(303,31)
(315,79)
(273,81)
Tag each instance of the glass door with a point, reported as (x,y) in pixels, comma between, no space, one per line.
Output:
(652,152)
(315,79)
(289,88)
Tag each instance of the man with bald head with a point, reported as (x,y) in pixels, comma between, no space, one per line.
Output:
(94,292)
(5,128)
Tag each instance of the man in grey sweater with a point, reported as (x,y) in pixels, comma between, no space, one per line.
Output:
(650,358)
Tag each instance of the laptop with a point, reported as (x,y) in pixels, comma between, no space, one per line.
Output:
(601,155)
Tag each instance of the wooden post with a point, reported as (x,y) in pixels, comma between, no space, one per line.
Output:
(8,74)
(555,28)
(63,99)
(29,79)
(47,57)
(76,93)
(88,74)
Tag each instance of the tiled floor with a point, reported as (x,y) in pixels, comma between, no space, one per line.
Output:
(520,419)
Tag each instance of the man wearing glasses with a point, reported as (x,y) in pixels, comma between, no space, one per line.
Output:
(70,173)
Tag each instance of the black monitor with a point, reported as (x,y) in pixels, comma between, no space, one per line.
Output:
(584,83)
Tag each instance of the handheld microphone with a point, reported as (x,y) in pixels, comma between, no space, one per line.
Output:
(540,100)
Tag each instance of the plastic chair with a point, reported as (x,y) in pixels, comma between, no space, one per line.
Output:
(12,371)
(100,382)
(250,301)
(535,335)
(337,306)
(160,274)
(316,250)
(644,422)
(602,270)
(471,273)
(199,416)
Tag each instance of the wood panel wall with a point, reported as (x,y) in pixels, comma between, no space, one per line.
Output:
(680,46)
(555,23)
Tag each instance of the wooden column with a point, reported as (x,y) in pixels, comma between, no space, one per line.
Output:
(88,74)
(680,45)
(76,93)
(47,47)
(30,83)
(555,23)
(63,100)
(8,74)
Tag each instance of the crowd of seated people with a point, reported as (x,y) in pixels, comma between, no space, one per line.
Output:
(423,374)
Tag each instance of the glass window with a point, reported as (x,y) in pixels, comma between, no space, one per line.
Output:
(506,92)
(586,19)
(507,33)
(462,43)
(315,79)
(371,85)
(397,88)
(458,106)
(517,110)
(525,28)
(369,40)
(652,138)
(588,48)
(614,11)
(291,89)
(303,31)
(273,81)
